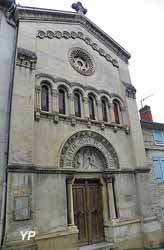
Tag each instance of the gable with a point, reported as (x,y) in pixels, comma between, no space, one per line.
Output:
(46,15)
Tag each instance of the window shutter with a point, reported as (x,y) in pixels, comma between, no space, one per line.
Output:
(162,167)
(158,137)
(157,169)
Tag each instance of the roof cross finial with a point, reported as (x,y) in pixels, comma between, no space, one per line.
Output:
(79,8)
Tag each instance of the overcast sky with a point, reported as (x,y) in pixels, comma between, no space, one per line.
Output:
(137,25)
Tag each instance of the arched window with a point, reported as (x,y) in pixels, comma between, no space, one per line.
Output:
(77,104)
(62,108)
(91,107)
(104,109)
(116,111)
(44,98)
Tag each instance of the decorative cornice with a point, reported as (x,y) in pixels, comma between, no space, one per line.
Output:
(26,58)
(33,14)
(77,35)
(130,90)
(19,168)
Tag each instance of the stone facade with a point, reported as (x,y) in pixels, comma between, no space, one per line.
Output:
(7,52)
(49,151)
(154,150)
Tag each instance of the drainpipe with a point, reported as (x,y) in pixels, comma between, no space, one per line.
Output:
(4,192)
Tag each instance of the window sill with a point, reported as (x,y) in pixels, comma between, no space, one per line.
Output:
(159,144)
(56,117)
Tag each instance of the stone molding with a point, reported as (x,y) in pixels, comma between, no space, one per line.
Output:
(26,58)
(130,90)
(19,168)
(56,117)
(33,14)
(77,35)
(88,138)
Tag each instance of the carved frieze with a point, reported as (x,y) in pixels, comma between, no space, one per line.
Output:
(88,150)
(77,35)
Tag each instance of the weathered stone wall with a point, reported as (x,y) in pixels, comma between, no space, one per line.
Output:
(153,150)
(7,42)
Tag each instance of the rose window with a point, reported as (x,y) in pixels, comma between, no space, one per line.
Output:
(81,61)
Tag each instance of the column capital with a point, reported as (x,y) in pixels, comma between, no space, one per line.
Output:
(38,88)
(109,178)
(70,179)
(85,99)
(71,96)
(54,92)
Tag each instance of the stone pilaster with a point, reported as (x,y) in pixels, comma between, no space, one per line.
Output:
(70,201)
(111,202)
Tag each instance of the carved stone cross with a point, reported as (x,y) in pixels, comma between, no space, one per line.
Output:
(79,8)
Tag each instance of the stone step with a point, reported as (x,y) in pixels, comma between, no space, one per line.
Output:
(99,246)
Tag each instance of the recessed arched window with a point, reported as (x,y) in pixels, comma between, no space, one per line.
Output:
(45,98)
(62,108)
(104,109)
(91,103)
(116,111)
(77,104)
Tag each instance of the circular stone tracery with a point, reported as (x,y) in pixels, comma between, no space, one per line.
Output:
(81,61)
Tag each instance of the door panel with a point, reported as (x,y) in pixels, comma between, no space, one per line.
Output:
(88,211)
(95,213)
(79,198)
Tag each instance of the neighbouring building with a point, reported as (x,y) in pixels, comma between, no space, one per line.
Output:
(77,171)
(153,134)
(7,52)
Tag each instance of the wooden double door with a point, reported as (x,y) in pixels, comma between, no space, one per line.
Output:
(88,213)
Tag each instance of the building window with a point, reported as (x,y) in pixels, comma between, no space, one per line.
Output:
(91,103)
(77,104)
(62,108)
(22,208)
(104,109)
(116,111)
(44,98)
(158,137)
(159,168)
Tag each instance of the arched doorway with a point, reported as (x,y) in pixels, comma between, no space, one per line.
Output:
(88,210)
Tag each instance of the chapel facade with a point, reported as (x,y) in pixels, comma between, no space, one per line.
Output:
(77,171)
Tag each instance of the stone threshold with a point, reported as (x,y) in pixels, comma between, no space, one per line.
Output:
(98,246)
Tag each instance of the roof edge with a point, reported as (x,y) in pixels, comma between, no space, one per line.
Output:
(152,125)
(34,13)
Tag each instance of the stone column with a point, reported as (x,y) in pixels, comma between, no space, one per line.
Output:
(71,104)
(99,109)
(70,201)
(54,101)
(111,202)
(86,108)
(37,98)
